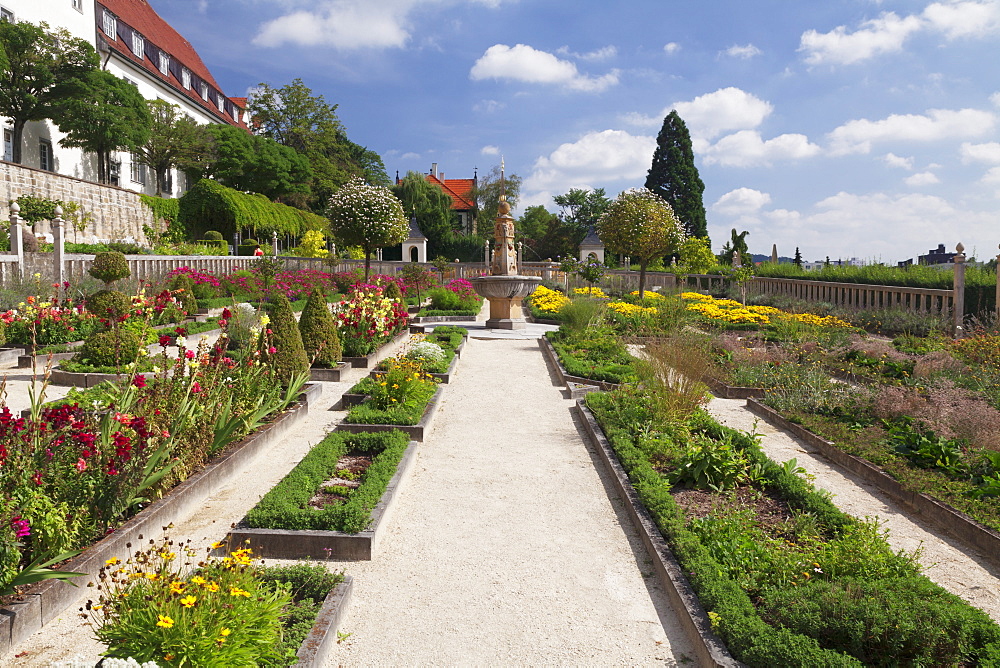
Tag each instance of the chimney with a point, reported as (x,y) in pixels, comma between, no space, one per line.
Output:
(442,176)
(434,169)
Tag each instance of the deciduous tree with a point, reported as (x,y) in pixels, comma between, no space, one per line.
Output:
(42,67)
(367,216)
(674,177)
(175,140)
(641,224)
(432,208)
(487,196)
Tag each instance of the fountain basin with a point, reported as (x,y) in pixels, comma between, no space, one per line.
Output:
(505,294)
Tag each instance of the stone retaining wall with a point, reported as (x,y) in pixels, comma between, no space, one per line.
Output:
(117,213)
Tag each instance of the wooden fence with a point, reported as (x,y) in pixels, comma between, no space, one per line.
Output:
(856,295)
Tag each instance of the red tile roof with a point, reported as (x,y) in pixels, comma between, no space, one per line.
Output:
(139,16)
(460,191)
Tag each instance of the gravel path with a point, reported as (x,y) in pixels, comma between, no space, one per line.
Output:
(951,564)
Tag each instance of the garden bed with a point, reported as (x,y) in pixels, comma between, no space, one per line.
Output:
(572,382)
(417,432)
(319,644)
(466,317)
(373,358)
(955,522)
(321,543)
(46,600)
(334,375)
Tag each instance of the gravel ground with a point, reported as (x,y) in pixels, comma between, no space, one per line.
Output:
(504,546)
(951,564)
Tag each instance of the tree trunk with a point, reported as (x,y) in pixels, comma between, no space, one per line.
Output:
(642,278)
(102,166)
(160,178)
(368,262)
(15,149)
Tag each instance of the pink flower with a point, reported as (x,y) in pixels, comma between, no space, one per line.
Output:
(139,381)
(195,387)
(81,465)
(272,350)
(189,354)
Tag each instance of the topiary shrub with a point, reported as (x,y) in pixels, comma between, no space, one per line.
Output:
(283,348)
(247,247)
(109,304)
(213,235)
(392,291)
(113,347)
(319,332)
(109,267)
(183,286)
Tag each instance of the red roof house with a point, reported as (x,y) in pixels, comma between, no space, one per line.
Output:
(461,192)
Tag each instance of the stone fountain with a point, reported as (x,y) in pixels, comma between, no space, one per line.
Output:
(504,287)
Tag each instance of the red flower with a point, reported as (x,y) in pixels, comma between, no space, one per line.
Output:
(164,340)
(139,381)
(195,388)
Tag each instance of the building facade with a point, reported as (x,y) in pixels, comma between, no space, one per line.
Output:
(136,44)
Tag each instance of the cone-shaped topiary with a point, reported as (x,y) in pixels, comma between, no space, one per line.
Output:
(392,291)
(114,347)
(109,304)
(109,267)
(283,349)
(319,332)
(185,285)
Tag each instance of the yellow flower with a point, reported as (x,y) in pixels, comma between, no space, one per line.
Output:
(236,591)
(167,556)
(176,587)
(224,632)
(152,576)
(165,622)
(217,544)
(212,586)
(112,561)
(198,580)
(188,601)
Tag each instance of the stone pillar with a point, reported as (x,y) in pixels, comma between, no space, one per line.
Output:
(16,238)
(59,243)
(520,253)
(486,253)
(958,296)
(274,242)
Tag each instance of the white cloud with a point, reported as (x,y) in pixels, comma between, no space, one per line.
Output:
(741,201)
(640,120)
(992,176)
(342,24)
(894,160)
(670,48)
(524,63)
(712,114)
(410,156)
(489,150)
(922,179)
(746,149)
(604,53)
(888,32)
(857,136)
(744,52)
(488,106)
(610,155)
(995,99)
(884,34)
(988,152)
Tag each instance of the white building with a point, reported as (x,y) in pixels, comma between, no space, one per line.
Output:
(136,44)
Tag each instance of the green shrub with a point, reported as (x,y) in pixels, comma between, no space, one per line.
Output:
(443,299)
(319,332)
(109,267)
(115,347)
(283,350)
(109,304)
(286,506)
(392,291)
(183,286)
(213,235)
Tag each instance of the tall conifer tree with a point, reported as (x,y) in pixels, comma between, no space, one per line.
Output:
(674,177)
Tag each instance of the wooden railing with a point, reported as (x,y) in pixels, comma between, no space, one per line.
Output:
(856,295)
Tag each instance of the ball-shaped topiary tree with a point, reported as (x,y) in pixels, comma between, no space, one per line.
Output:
(114,347)
(109,304)
(109,266)
(641,224)
(319,332)
(283,349)
(367,216)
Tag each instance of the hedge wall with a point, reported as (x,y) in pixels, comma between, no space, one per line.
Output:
(212,206)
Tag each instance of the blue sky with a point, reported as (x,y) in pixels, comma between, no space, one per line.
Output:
(848,128)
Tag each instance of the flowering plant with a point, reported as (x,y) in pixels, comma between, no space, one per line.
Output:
(366,320)
(549,301)
(56,321)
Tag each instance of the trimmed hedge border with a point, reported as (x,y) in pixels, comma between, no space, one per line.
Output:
(47,600)
(710,650)
(318,645)
(417,432)
(318,544)
(953,521)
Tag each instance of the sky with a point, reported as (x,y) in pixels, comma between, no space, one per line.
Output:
(846,128)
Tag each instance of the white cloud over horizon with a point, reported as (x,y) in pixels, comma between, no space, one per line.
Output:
(744,52)
(529,65)
(707,116)
(747,148)
(858,136)
(594,157)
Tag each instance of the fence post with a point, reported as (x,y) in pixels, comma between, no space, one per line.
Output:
(274,242)
(59,244)
(16,238)
(958,296)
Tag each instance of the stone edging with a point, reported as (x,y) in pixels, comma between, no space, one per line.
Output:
(568,380)
(49,599)
(724,391)
(953,521)
(319,644)
(372,359)
(416,432)
(315,544)
(334,375)
(709,650)
(443,318)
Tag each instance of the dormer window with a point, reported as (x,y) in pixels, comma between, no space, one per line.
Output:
(110,25)
(164,63)
(204,91)
(77,5)
(186,78)
(220,101)
(138,44)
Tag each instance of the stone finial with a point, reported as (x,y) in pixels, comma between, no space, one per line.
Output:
(58,211)
(960,248)
(15,208)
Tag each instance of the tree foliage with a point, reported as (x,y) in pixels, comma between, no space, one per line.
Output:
(674,177)
(582,208)
(432,208)
(641,224)
(487,196)
(175,140)
(42,67)
(696,256)
(368,216)
(105,114)
(292,116)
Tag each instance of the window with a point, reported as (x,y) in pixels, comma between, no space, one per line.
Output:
(77,5)
(138,44)
(115,169)
(6,15)
(110,25)
(220,101)
(204,91)
(138,170)
(45,161)
(8,144)
(186,78)
(129,81)
(164,62)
